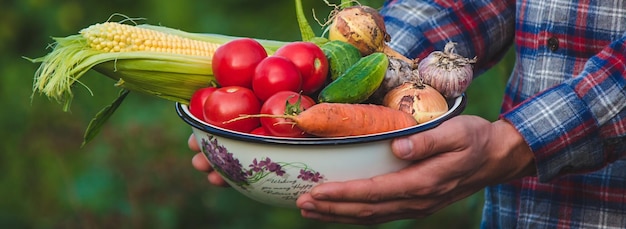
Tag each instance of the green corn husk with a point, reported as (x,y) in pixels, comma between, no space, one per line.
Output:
(165,75)
(168,78)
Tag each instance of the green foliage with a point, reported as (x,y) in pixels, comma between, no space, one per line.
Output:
(137,172)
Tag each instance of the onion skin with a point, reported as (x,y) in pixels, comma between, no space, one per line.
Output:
(423,102)
(364,27)
(361,26)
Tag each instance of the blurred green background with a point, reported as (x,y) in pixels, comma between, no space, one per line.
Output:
(137,172)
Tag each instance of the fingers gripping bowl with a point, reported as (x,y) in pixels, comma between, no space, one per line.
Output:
(276,170)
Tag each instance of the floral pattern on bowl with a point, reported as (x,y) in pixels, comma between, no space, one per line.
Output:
(258,170)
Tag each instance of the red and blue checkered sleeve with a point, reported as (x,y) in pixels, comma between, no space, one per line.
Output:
(578,125)
(482,28)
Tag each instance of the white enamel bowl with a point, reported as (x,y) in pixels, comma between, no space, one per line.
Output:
(276,170)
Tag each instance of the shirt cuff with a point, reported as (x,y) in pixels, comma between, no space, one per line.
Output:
(561,131)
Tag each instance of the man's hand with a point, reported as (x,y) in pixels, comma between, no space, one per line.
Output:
(452,161)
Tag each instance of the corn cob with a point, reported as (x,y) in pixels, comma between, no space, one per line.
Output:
(156,60)
(115,37)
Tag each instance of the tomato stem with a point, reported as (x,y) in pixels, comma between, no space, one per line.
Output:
(293,108)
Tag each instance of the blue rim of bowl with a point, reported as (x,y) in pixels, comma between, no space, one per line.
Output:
(456,107)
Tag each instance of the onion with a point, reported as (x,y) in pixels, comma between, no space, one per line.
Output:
(423,102)
(398,72)
(446,71)
(363,27)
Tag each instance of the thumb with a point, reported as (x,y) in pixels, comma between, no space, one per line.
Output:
(414,147)
(428,143)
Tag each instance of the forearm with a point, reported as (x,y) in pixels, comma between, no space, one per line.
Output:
(512,150)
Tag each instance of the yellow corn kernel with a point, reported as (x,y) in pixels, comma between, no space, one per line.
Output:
(116,37)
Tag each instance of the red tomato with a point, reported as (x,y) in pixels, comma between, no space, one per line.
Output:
(196,103)
(234,62)
(275,74)
(230,102)
(277,105)
(310,60)
(259,131)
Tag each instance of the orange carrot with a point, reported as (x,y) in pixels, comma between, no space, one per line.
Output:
(342,119)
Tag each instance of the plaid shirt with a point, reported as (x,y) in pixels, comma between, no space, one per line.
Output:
(566,96)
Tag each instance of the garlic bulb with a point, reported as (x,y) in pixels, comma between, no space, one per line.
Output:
(423,102)
(446,71)
(398,72)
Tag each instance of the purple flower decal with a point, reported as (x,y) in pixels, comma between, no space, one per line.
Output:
(276,168)
(255,167)
(223,161)
(230,167)
(309,175)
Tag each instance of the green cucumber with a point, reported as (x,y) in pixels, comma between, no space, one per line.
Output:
(359,82)
(341,55)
